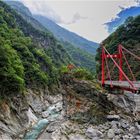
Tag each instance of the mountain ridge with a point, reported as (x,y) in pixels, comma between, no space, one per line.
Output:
(59,32)
(63,34)
(79,57)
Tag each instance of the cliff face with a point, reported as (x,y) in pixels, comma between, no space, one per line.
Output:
(78,109)
(78,100)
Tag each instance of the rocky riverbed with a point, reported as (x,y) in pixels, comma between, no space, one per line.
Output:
(78,110)
(68,130)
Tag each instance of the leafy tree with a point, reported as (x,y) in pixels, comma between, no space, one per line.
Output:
(83,74)
(11,71)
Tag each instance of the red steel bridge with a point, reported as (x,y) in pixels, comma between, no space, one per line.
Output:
(123,83)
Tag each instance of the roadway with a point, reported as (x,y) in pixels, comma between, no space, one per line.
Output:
(124,84)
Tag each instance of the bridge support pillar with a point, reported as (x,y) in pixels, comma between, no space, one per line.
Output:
(103,65)
(120,62)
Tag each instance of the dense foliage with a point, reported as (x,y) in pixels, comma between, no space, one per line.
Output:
(128,35)
(83,74)
(24,60)
(11,70)
(80,57)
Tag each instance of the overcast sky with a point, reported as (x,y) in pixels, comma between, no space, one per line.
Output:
(84,17)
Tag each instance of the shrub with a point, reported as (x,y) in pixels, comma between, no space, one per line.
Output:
(82,74)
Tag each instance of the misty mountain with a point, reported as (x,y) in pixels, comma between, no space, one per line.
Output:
(79,56)
(65,35)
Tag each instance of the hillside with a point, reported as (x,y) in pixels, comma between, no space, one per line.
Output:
(42,98)
(65,35)
(128,34)
(26,14)
(79,56)
(59,32)
(29,57)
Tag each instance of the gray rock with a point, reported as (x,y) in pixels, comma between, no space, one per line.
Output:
(126,137)
(114,125)
(117,137)
(56,135)
(32,119)
(45,136)
(137,125)
(52,127)
(4,127)
(110,133)
(5,137)
(96,138)
(131,136)
(124,124)
(53,99)
(76,137)
(137,137)
(113,117)
(54,109)
(36,102)
(91,132)
(118,131)
(132,129)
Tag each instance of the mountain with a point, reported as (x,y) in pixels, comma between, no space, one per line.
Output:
(26,14)
(58,31)
(122,16)
(65,35)
(28,57)
(128,34)
(79,57)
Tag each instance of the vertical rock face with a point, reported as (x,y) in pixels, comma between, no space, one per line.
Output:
(129,102)
(31,117)
(77,110)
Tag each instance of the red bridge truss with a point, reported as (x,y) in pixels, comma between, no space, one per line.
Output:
(127,84)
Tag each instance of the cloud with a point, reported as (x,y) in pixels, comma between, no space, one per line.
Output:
(84,17)
(121,17)
(138,1)
(76,17)
(42,8)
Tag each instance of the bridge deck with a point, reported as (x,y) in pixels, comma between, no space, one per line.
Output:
(124,84)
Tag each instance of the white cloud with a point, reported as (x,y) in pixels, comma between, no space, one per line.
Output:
(85,17)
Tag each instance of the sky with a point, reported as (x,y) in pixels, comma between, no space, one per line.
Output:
(84,17)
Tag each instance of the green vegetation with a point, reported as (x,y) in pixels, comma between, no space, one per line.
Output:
(76,51)
(63,70)
(11,71)
(83,74)
(31,58)
(128,35)
(78,73)
(81,58)
(24,61)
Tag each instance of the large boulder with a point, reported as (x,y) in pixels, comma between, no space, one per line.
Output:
(110,133)
(92,132)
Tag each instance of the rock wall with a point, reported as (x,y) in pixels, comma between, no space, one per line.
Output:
(78,109)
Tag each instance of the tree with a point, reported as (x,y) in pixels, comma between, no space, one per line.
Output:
(11,71)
